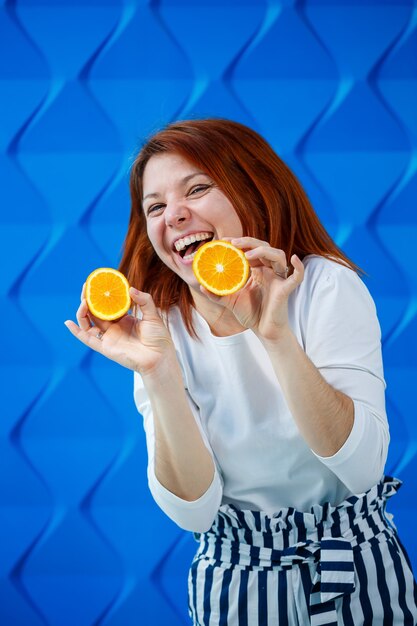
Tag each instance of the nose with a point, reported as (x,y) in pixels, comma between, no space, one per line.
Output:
(175,214)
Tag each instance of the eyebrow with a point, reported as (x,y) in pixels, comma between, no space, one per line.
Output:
(183,181)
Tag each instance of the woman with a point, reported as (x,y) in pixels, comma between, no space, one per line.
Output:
(264,410)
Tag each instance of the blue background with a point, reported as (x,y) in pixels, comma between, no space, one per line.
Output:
(333,86)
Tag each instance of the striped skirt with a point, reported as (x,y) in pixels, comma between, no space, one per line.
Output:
(335,565)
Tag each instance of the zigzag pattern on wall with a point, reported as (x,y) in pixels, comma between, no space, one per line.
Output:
(333,86)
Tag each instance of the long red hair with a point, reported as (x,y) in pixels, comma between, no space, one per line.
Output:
(268,198)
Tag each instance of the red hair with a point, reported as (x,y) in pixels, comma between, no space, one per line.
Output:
(268,198)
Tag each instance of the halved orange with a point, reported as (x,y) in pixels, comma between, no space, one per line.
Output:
(107,294)
(220,267)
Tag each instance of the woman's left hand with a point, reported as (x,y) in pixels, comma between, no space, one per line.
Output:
(262,304)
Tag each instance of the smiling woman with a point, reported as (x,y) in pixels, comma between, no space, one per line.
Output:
(244,172)
(184,207)
(263,409)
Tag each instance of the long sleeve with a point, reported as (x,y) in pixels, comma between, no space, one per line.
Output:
(198,515)
(343,340)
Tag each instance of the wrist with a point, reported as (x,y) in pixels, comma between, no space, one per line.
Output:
(279,342)
(167,368)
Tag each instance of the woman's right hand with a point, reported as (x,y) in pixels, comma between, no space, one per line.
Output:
(138,344)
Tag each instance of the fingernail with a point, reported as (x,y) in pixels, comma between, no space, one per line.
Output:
(134,291)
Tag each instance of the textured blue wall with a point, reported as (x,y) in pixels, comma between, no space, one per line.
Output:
(333,86)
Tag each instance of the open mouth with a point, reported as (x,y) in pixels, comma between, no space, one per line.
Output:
(188,246)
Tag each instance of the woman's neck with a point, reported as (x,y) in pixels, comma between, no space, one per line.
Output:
(222,322)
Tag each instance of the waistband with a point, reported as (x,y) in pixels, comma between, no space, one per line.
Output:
(326,535)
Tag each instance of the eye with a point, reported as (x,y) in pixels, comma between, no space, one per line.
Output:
(198,189)
(154,208)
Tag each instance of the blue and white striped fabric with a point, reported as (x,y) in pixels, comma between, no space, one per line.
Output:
(335,565)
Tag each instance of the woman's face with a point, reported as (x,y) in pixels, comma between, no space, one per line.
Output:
(184,208)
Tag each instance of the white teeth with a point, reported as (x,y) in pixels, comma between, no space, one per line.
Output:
(180,244)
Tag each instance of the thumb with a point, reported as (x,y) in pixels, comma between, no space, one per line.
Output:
(297,276)
(145,302)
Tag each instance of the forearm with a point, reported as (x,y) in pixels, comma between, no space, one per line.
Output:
(323,414)
(183,465)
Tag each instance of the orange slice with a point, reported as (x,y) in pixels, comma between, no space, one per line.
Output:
(107,294)
(220,267)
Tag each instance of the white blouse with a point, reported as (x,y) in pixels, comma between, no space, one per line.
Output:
(262,461)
